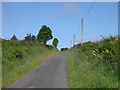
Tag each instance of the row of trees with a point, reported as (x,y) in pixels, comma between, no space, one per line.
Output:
(44,35)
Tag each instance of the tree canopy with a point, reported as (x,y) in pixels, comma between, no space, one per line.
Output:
(44,34)
(30,38)
(55,42)
(14,37)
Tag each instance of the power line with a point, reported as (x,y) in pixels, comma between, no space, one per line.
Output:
(83,20)
(89,9)
(82,24)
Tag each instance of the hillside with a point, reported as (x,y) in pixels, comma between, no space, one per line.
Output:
(93,64)
(20,57)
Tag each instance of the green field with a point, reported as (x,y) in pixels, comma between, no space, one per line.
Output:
(93,64)
(20,57)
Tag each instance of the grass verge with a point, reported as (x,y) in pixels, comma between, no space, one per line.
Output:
(86,70)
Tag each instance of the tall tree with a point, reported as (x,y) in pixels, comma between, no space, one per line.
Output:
(14,37)
(45,34)
(55,42)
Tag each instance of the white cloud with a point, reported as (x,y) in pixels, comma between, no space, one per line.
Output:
(70,7)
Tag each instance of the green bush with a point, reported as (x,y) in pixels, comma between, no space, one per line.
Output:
(107,52)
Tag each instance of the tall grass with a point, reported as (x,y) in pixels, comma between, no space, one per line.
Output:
(0,65)
(93,65)
(20,58)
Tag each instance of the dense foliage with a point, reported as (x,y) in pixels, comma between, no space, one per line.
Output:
(17,50)
(30,38)
(14,37)
(55,42)
(45,34)
(105,52)
(94,64)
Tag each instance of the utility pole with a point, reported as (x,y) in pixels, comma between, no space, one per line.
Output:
(74,40)
(70,43)
(82,33)
(83,21)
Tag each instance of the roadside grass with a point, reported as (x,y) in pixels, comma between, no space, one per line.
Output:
(0,65)
(13,69)
(84,70)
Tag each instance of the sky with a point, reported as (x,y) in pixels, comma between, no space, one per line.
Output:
(64,19)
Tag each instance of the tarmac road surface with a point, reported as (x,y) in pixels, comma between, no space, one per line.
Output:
(50,74)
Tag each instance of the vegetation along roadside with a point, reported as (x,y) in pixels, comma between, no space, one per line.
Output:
(21,56)
(93,64)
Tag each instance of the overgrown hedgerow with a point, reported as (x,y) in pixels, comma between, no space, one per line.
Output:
(93,64)
(20,57)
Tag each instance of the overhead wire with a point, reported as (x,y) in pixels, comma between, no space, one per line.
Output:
(89,9)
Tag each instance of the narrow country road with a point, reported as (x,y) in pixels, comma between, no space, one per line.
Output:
(50,74)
